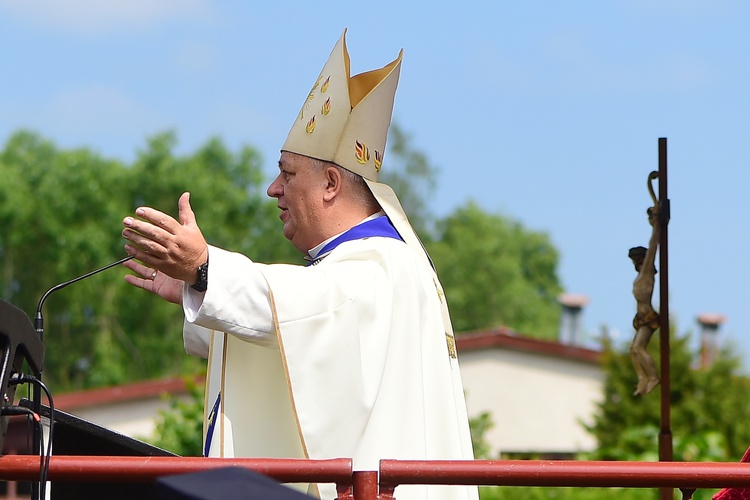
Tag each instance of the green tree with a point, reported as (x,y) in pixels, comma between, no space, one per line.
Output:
(478,426)
(517,284)
(228,195)
(412,177)
(179,428)
(233,211)
(551,493)
(495,271)
(705,405)
(61,216)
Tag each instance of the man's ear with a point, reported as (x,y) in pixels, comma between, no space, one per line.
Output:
(334,183)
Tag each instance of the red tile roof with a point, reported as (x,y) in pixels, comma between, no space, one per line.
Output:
(506,338)
(127,392)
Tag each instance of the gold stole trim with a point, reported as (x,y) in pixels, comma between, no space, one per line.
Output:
(223,395)
(206,407)
(277,328)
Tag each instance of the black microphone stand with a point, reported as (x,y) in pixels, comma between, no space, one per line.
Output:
(36,440)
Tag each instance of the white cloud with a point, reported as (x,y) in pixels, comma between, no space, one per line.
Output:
(94,17)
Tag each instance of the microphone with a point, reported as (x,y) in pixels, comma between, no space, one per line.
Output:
(37,394)
(39,320)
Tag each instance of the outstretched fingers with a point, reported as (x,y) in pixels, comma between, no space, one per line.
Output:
(143,277)
(151,235)
(154,281)
(154,219)
(187,216)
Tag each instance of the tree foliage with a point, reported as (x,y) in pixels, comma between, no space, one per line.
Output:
(478,426)
(179,428)
(496,272)
(61,216)
(412,177)
(705,405)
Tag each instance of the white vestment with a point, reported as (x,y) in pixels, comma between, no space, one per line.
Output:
(348,358)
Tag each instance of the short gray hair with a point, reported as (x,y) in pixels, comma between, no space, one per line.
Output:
(360,189)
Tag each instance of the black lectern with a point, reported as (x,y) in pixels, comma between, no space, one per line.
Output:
(19,342)
(76,436)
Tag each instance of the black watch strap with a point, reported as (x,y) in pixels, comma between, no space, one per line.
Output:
(201,285)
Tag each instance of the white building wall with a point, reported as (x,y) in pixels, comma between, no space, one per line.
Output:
(136,419)
(536,402)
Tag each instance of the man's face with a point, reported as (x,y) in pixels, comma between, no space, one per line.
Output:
(299,189)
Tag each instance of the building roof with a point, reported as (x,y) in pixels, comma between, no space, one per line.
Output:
(503,337)
(127,392)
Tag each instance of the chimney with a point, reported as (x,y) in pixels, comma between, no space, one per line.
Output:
(570,319)
(710,323)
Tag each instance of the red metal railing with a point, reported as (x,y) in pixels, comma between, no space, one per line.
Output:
(566,473)
(374,485)
(146,469)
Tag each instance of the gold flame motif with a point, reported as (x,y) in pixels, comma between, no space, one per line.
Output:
(361,153)
(378,160)
(325,85)
(326,107)
(310,97)
(310,127)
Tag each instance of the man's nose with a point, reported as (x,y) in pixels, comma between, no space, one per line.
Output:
(274,189)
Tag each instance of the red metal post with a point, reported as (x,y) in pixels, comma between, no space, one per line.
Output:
(365,485)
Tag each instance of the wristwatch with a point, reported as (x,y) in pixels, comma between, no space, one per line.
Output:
(201,285)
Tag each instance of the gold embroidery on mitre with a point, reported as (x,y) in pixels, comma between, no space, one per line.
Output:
(310,127)
(326,107)
(325,85)
(361,153)
(378,160)
(312,90)
(451,345)
(310,97)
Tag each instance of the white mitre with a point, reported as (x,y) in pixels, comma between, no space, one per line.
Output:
(345,120)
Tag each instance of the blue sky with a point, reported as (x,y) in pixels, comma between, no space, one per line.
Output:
(545,112)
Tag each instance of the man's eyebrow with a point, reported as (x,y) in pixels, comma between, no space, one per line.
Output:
(286,166)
